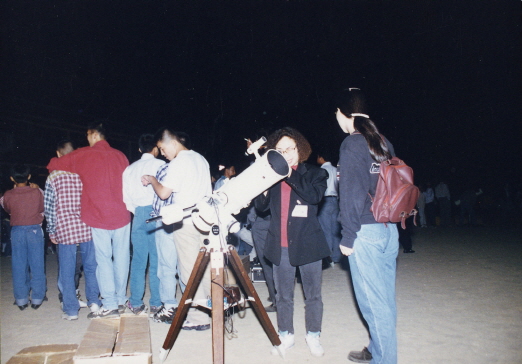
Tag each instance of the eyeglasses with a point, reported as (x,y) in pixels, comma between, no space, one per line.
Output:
(287,150)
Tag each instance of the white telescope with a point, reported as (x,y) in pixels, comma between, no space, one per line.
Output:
(218,208)
(238,192)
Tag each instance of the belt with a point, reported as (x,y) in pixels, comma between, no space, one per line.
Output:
(331,196)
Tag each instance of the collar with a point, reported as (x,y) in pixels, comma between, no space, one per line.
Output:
(102,144)
(301,168)
(183,151)
(147,156)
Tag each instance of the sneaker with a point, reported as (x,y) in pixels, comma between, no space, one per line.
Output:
(165,315)
(94,307)
(287,342)
(22,307)
(122,308)
(187,325)
(36,306)
(136,310)
(271,308)
(82,304)
(363,356)
(154,310)
(103,313)
(314,344)
(69,317)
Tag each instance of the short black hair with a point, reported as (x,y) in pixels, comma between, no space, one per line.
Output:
(166,133)
(147,143)
(326,154)
(100,126)
(63,143)
(20,173)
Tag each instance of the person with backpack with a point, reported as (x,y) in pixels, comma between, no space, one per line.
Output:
(371,247)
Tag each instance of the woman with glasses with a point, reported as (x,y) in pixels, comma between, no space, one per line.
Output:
(371,247)
(295,239)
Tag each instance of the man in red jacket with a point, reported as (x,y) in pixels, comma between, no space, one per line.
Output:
(100,168)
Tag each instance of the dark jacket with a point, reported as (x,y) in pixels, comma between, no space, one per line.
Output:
(358,175)
(306,241)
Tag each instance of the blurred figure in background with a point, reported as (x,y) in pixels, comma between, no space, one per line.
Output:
(329,208)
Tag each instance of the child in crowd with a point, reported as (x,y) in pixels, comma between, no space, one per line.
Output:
(26,206)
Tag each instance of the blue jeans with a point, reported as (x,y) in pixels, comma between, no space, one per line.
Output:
(372,265)
(77,272)
(66,277)
(167,264)
(112,248)
(28,264)
(143,249)
(327,216)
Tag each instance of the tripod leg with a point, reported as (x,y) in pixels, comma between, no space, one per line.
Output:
(247,285)
(186,301)
(218,343)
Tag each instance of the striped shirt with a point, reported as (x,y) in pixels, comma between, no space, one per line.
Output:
(158,203)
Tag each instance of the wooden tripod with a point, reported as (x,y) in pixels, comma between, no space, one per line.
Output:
(216,258)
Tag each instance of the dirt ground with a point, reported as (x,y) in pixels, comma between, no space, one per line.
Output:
(459,301)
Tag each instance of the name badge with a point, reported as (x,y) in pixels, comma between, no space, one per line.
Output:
(300,211)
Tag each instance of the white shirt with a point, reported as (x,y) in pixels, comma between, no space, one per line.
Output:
(332,184)
(188,176)
(134,193)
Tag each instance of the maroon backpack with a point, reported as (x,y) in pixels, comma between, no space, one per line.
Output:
(396,195)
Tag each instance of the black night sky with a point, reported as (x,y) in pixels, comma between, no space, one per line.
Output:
(443,77)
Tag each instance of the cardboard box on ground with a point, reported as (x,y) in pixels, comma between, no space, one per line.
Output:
(125,340)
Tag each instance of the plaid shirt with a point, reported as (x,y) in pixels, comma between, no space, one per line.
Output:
(158,203)
(63,192)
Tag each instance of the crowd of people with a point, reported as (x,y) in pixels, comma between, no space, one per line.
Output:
(96,206)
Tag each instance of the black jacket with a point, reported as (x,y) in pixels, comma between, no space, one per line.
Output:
(306,241)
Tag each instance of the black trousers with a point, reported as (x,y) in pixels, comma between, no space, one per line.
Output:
(405,234)
(259,232)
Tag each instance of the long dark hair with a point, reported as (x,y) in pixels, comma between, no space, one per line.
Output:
(352,101)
